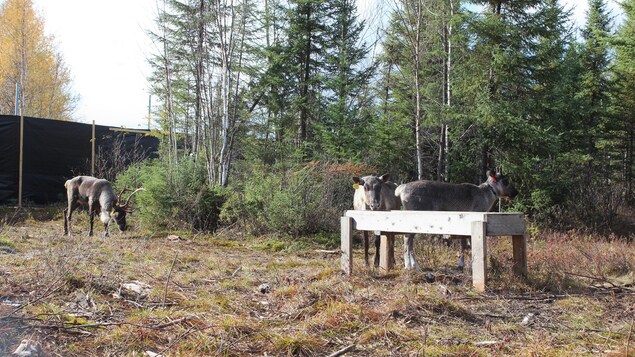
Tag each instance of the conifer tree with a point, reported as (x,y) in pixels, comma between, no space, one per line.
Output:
(595,85)
(625,95)
(341,126)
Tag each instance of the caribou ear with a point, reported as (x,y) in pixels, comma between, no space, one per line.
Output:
(385,177)
(357,182)
(491,174)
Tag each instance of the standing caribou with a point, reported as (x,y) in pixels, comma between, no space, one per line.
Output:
(426,195)
(100,198)
(374,193)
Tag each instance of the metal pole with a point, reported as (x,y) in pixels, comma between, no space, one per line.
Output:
(17,95)
(92,152)
(149,109)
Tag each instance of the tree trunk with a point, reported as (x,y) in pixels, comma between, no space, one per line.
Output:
(304,86)
(418,110)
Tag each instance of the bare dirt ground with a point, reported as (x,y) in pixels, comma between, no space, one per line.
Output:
(141,293)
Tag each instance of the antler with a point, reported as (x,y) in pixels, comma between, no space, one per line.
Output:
(121,193)
(125,205)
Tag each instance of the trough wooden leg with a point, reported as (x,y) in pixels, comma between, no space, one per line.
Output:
(387,252)
(479,255)
(346,237)
(519,243)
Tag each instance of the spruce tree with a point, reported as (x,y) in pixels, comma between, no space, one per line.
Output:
(624,100)
(595,84)
(342,129)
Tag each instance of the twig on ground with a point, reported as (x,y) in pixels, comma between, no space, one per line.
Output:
(179,338)
(106,324)
(47,292)
(167,282)
(597,278)
(350,348)
(628,341)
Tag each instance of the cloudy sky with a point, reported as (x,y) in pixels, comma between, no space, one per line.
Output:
(105,45)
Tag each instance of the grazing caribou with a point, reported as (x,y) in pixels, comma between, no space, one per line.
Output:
(100,198)
(374,193)
(426,195)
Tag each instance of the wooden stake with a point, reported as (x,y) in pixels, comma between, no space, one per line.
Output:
(92,151)
(20,178)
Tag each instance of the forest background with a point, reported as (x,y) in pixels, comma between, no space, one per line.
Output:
(268,108)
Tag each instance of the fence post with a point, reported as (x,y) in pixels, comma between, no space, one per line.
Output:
(479,255)
(346,237)
(21,159)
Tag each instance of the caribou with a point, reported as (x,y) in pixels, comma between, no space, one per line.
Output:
(374,193)
(99,197)
(424,195)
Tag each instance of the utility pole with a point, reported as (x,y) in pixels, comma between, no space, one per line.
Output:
(149,109)
(17,95)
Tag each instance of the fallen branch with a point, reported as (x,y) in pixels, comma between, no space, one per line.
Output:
(324,251)
(596,278)
(350,348)
(106,324)
(174,322)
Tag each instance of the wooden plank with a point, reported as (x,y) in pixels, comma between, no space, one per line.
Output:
(479,255)
(519,243)
(346,237)
(505,224)
(387,252)
(436,222)
(431,222)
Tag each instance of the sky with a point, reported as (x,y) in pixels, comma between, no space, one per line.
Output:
(105,45)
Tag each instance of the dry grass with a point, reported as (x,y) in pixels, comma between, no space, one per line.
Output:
(203,297)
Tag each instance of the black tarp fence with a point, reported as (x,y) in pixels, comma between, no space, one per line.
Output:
(54,151)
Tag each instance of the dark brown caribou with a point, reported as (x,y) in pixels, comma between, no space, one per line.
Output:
(98,196)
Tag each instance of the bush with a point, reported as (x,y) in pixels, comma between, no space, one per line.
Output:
(176,196)
(303,199)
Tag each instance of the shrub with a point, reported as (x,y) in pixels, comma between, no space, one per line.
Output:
(176,196)
(302,199)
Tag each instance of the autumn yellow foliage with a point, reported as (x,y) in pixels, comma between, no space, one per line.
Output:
(28,59)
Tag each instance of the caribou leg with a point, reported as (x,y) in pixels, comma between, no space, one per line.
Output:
(66,221)
(91,214)
(464,248)
(68,215)
(365,234)
(410,261)
(377,246)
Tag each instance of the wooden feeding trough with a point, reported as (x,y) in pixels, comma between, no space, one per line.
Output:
(477,225)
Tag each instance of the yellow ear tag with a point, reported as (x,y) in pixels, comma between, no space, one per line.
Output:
(355,186)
